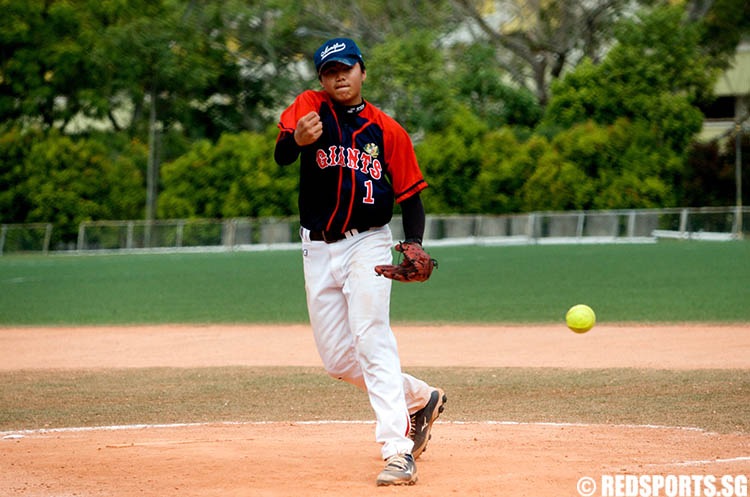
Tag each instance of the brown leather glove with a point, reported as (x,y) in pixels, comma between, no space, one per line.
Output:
(416,266)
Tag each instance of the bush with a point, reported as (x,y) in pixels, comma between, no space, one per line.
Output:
(655,73)
(481,86)
(709,177)
(622,164)
(640,106)
(235,177)
(450,161)
(504,167)
(556,183)
(48,177)
(423,103)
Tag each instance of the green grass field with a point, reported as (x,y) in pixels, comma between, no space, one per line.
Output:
(665,282)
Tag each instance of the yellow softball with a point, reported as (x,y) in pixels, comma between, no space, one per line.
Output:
(580,318)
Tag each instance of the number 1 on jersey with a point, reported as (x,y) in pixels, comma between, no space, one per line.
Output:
(368,197)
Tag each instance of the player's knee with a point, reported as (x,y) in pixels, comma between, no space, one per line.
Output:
(350,374)
(338,366)
(337,372)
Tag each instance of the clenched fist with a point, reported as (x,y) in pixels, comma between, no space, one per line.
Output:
(309,129)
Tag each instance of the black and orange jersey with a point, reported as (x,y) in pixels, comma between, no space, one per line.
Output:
(360,165)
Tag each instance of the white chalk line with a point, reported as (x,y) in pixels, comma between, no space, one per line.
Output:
(15,434)
(702,462)
(19,434)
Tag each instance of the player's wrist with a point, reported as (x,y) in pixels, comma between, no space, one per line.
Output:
(296,139)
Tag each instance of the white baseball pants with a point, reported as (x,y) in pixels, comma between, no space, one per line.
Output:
(349,308)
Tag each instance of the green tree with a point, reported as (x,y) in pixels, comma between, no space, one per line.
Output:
(418,103)
(235,177)
(480,84)
(14,147)
(161,58)
(450,160)
(555,184)
(59,179)
(722,27)
(504,166)
(536,41)
(709,178)
(654,73)
(371,23)
(209,67)
(623,165)
(647,90)
(45,73)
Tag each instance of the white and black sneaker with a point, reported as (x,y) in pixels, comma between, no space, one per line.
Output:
(399,470)
(421,421)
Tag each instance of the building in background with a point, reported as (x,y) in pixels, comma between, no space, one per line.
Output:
(732,102)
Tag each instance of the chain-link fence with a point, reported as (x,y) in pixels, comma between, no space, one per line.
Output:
(612,226)
(224,234)
(21,238)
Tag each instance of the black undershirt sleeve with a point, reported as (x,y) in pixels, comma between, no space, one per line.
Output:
(286,150)
(413,218)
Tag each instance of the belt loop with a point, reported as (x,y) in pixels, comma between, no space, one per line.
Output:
(351,233)
(304,233)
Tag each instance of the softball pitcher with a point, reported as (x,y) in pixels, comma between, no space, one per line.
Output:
(355,162)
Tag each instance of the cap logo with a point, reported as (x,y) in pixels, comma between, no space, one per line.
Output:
(336,47)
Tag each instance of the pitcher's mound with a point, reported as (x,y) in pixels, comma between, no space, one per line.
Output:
(335,459)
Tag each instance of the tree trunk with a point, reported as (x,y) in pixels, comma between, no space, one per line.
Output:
(152,170)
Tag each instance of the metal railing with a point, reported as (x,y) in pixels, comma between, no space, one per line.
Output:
(28,237)
(605,226)
(185,233)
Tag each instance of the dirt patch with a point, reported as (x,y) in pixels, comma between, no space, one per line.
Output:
(287,459)
(678,346)
(298,459)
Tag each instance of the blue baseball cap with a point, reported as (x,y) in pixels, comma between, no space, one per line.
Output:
(341,50)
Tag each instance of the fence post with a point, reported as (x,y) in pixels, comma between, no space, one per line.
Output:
(683,223)
(737,228)
(81,235)
(147,233)
(232,233)
(631,224)
(129,235)
(428,227)
(530,226)
(478,225)
(3,231)
(178,238)
(738,176)
(579,226)
(47,238)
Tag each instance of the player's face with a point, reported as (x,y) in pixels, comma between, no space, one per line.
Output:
(343,83)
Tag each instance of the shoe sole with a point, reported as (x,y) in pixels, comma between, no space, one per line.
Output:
(397,483)
(436,414)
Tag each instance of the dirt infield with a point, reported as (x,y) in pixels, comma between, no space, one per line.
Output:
(497,457)
(679,346)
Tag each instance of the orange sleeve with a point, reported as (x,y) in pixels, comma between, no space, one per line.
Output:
(403,168)
(304,103)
